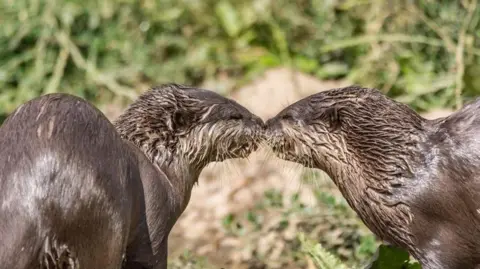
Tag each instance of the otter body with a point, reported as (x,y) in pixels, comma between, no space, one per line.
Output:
(70,189)
(77,191)
(414,182)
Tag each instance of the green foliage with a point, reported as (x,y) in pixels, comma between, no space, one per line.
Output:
(425,54)
(269,231)
(389,257)
(320,256)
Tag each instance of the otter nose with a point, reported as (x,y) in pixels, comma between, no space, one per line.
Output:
(272,123)
(269,122)
(257,120)
(273,127)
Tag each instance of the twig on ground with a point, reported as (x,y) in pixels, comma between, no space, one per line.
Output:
(366,39)
(449,44)
(59,69)
(91,70)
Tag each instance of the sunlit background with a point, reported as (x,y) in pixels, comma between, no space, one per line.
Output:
(265,54)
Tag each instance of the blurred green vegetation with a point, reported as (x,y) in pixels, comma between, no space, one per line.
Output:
(389,257)
(425,53)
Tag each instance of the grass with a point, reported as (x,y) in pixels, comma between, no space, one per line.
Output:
(425,54)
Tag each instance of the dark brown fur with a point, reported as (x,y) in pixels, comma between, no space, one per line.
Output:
(74,193)
(414,182)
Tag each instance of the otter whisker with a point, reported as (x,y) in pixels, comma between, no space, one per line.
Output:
(268,154)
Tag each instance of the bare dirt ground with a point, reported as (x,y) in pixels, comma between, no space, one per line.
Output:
(234,186)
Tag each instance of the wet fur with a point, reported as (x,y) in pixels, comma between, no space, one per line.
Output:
(414,182)
(64,198)
(79,192)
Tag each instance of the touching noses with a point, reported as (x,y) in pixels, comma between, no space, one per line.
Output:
(257,121)
(270,123)
(273,123)
(273,127)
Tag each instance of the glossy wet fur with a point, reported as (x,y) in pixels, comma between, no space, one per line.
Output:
(415,183)
(97,200)
(53,203)
(199,123)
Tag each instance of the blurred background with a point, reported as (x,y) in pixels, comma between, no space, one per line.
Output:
(266,54)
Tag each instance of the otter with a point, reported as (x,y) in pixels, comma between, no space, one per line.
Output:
(77,191)
(414,182)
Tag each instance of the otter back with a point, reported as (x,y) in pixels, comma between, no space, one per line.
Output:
(69,187)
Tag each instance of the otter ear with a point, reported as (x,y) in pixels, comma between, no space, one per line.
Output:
(332,116)
(182,118)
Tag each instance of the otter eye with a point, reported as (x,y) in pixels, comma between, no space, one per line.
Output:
(236,117)
(286,117)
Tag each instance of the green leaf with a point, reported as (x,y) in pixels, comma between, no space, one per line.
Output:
(415,265)
(228,17)
(305,64)
(170,14)
(322,258)
(333,69)
(269,60)
(390,257)
(228,220)
(280,38)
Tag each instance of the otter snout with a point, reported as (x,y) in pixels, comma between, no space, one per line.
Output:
(273,128)
(257,125)
(272,123)
(257,121)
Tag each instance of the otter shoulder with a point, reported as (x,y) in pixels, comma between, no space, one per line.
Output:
(455,140)
(463,125)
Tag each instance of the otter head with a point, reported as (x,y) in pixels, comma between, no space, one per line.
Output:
(200,126)
(354,126)
(305,132)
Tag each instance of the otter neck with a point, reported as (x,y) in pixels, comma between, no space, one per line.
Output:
(374,183)
(181,176)
(181,173)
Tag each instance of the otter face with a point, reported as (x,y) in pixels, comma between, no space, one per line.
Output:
(212,128)
(198,125)
(344,126)
(307,132)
